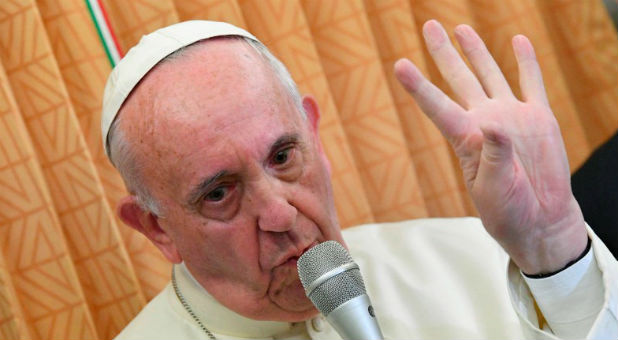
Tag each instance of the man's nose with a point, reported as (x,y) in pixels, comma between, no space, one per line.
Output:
(276,214)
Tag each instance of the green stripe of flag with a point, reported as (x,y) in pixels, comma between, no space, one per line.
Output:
(100,33)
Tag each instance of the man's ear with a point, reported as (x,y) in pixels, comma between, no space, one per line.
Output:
(147,223)
(313,112)
(313,116)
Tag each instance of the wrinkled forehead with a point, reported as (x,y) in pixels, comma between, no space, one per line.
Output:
(217,107)
(218,80)
(151,49)
(204,74)
(218,92)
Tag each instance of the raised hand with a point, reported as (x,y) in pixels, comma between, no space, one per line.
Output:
(511,151)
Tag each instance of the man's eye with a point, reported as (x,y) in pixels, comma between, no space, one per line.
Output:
(281,157)
(216,195)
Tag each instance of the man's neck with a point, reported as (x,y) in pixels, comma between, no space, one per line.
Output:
(219,319)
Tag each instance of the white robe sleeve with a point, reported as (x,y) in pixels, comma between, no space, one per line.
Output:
(579,302)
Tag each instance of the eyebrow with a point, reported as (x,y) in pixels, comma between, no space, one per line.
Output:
(200,189)
(283,140)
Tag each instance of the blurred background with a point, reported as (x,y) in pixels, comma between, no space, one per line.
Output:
(70,269)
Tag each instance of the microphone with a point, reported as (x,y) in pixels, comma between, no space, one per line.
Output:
(333,283)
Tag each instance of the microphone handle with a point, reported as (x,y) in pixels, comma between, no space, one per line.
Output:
(355,320)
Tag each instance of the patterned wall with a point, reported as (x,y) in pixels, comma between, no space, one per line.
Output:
(69,269)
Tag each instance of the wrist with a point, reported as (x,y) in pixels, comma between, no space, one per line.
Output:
(568,265)
(553,246)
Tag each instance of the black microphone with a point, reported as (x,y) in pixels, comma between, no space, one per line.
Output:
(333,283)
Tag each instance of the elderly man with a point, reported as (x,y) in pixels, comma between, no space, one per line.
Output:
(227,177)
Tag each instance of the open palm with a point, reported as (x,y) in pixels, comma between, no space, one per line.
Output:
(511,151)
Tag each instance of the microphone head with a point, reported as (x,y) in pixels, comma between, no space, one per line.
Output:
(335,290)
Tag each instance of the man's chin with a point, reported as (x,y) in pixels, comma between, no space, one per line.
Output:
(292,298)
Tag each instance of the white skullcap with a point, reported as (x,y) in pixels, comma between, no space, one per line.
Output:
(150,50)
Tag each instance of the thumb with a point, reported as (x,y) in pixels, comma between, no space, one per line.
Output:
(496,163)
(497,146)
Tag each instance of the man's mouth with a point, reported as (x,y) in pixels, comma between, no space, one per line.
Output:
(293,259)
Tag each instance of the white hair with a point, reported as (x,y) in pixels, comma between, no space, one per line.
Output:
(122,155)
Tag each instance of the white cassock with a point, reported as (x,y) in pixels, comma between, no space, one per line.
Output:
(427,279)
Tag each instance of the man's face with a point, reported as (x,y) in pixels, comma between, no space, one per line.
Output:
(240,176)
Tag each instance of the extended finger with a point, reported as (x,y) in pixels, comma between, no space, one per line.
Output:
(530,76)
(448,116)
(451,66)
(483,63)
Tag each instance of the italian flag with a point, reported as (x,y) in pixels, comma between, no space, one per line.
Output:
(105,31)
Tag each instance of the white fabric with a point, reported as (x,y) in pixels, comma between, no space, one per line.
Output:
(150,50)
(553,295)
(429,278)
